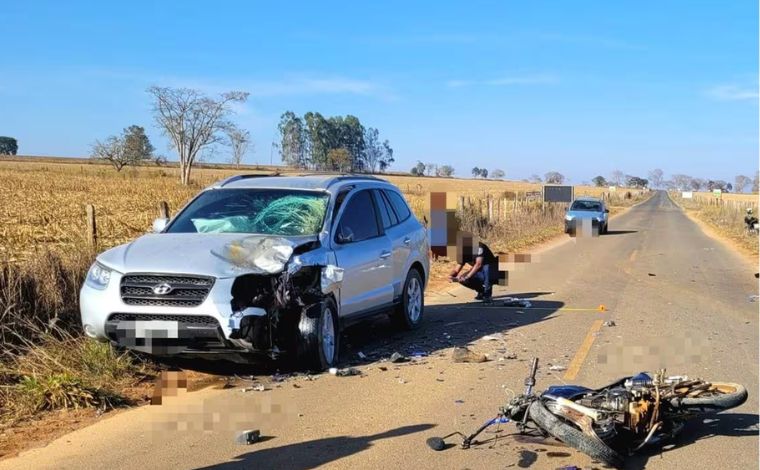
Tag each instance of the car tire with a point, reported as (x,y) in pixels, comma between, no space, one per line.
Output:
(319,336)
(408,314)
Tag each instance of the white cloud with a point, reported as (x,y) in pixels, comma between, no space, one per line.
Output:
(731,92)
(541,79)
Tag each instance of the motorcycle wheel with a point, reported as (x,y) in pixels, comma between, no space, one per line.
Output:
(572,436)
(720,396)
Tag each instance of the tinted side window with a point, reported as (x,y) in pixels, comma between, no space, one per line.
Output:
(402,210)
(359,221)
(386,213)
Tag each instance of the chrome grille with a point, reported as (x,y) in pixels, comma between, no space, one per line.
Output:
(199,320)
(186,291)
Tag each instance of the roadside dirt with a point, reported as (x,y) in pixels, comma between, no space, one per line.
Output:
(725,240)
(48,426)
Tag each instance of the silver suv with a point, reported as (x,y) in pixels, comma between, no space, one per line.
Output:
(263,265)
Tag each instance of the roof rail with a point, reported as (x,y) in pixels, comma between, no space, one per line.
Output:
(232,179)
(353,178)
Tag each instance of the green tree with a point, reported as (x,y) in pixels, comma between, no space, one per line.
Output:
(339,160)
(137,146)
(293,140)
(8,146)
(475,172)
(599,181)
(446,171)
(497,174)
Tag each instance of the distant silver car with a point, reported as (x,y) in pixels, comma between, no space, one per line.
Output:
(588,209)
(272,265)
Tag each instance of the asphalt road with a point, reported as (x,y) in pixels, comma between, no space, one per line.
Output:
(678,299)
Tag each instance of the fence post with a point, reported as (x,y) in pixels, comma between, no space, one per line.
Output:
(163,210)
(92,229)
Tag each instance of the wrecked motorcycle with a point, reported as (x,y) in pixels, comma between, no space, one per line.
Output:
(611,422)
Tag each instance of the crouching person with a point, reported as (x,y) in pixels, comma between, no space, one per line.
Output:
(481,276)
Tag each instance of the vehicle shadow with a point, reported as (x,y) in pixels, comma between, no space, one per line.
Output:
(443,326)
(723,424)
(314,453)
(620,232)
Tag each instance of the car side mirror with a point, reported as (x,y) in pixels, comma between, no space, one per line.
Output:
(607,211)
(160,224)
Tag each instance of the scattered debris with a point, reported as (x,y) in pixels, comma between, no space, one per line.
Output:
(754,298)
(557,368)
(511,356)
(401,381)
(383,368)
(361,355)
(494,337)
(345,372)
(280,377)
(651,274)
(396,358)
(459,402)
(516,302)
(419,354)
(254,388)
(465,355)
(609,323)
(454,323)
(248,437)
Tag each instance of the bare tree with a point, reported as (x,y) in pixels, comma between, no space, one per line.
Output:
(239,140)
(554,177)
(111,150)
(192,120)
(741,182)
(535,179)
(497,174)
(617,177)
(656,178)
(682,182)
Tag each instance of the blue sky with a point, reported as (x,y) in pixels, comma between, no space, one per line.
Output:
(583,88)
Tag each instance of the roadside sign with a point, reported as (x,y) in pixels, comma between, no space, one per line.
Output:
(717,193)
(532,195)
(687,195)
(613,189)
(556,193)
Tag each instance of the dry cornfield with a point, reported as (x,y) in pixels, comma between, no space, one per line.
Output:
(44,201)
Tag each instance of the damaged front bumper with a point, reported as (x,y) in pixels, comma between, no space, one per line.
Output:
(256,309)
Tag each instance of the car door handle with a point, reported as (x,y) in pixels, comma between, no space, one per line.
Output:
(385,254)
(407,241)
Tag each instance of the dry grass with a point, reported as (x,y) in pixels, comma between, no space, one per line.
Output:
(725,215)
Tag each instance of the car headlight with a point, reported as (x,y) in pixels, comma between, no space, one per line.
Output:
(98,276)
(569,218)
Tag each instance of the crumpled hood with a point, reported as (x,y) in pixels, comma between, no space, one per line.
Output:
(585,214)
(182,253)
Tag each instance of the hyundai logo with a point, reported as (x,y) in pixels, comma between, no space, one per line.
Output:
(162,289)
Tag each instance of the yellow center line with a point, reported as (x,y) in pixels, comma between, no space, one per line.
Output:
(580,355)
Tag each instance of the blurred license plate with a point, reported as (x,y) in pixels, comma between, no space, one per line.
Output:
(156,329)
